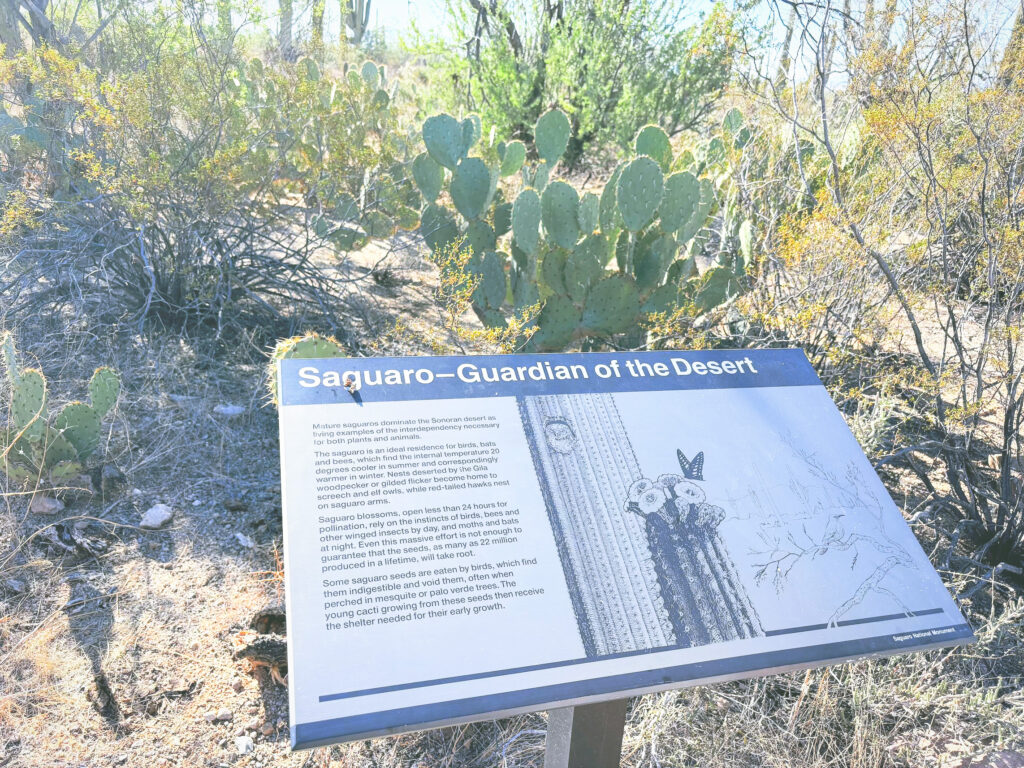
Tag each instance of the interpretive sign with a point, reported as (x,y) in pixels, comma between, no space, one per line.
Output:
(473,537)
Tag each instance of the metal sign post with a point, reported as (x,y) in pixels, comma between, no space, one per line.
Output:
(589,736)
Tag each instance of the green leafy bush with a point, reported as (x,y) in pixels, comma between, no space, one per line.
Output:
(596,266)
(194,192)
(610,66)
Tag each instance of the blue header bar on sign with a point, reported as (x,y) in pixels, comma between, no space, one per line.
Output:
(382,379)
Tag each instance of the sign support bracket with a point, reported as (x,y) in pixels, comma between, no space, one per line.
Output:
(588,736)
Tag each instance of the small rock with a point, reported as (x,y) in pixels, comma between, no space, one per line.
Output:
(156,516)
(210,717)
(244,745)
(245,541)
(111,479)
(226,409)
(45,505)
(225,714)
(237,685)
(235,505)
(136,492)
(17,586)
(197,503)
(239,731)
(267,729)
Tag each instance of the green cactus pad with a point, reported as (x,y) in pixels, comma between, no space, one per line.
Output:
(18,471)
(347,238)
(56,449)
(700,215)
(407,218)
(682,197)
(651,259)
(80,424)
(540,176)
(104,387)
(429,176)
(612,306)
(551,135)
(438,227)
(378,224)
(552,271)
(491,289)
(652,141)
(664,298)
(557,323)
(639,193)
(308,347)
(311,68)
(732,122)
(443,136)
(380,99)
(480,237)
(472,129)
(526,215)
(471,183)
(714,152)
(589,213)
(370,73)
(559,212)
(28,402)
(585,266)
(512,157)
(64,472)
(681,269)
(525,292)
(611,221)
(502,219)
(716,286)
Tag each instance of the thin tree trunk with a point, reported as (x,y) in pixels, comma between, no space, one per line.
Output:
(10,32)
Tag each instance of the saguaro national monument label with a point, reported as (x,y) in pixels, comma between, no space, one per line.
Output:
(471,537)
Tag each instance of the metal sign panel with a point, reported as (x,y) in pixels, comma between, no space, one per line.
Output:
(473,537)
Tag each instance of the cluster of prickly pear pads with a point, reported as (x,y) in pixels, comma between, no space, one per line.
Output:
(596,266)
(34,447)
(343,151)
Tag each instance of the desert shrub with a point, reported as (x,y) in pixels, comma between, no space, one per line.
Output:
(197,191)
(610,66)
(585,269)
(892,247)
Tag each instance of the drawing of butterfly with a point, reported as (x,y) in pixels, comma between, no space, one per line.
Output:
(692,470)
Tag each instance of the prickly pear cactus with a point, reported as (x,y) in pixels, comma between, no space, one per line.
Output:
(35,448)
(591,266)
(104,388)
(309,346)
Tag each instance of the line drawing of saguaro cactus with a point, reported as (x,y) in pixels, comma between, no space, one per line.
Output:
(644,571)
